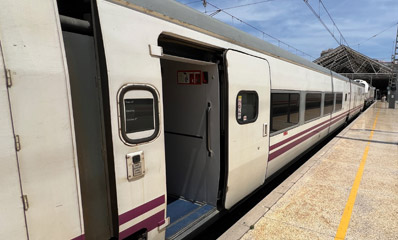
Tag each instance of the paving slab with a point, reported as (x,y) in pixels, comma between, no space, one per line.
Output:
(276,230)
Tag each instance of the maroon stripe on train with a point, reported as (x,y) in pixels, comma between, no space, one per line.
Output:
(127,216)
(311,128)
(149,224)
(81,237)
(303,132)
(355,108)
(300,140)
(352,110)
(293,144)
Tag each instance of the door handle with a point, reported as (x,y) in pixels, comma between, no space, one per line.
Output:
(265,129)
(208,142)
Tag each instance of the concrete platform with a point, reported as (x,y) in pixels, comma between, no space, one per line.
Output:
(348,190)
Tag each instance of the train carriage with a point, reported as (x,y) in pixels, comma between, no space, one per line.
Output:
(369,92)
(128,119)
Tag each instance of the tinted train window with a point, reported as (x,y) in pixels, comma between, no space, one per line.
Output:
(339,101)
(284,110)
(139,114)
(312,106)
(246,107)
(328,103)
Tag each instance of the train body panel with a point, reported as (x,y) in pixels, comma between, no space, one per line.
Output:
(248,132)
(357,98)
(12,219)
(186,115)
(40,108)
(338,117)
(369,92)
(372,93)
(294,80)
(129,64)
(123,51)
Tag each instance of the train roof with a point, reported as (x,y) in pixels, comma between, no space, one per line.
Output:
(176,12)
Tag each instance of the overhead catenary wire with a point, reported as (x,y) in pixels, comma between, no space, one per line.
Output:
(323,23)
(239,6)
(330,16)
(377,34)
(341,35)
(259,30)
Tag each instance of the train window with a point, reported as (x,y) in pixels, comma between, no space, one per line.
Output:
(345,97)
(284,110)
(139,114)
(312,106)
(246,107)
(339,101)
(328,103)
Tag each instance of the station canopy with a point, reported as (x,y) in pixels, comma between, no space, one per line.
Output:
(354,65)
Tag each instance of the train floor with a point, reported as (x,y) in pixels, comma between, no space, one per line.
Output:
(347,190)
(183,214)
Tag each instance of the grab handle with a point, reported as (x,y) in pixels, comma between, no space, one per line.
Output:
(208,144)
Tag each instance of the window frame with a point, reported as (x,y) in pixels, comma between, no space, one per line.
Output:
(241,122)
(335,102)
(305,106)
(300,110)
(122,126)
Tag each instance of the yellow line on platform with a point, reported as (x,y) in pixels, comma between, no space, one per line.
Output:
(345,219)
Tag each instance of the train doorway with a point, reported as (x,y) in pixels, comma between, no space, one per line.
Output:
(191,106)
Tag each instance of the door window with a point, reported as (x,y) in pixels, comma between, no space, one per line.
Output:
(246,107)
(139,114)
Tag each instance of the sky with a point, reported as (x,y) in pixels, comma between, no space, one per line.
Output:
(292,22)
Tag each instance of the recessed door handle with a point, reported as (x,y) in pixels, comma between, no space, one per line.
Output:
(265,129)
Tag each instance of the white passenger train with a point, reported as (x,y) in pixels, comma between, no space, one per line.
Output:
(130,118)
(369,92)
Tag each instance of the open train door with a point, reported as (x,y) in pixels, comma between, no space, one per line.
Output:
(12,216)
(248,120)
(41,172)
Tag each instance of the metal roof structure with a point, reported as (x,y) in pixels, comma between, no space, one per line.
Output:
(354,65)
